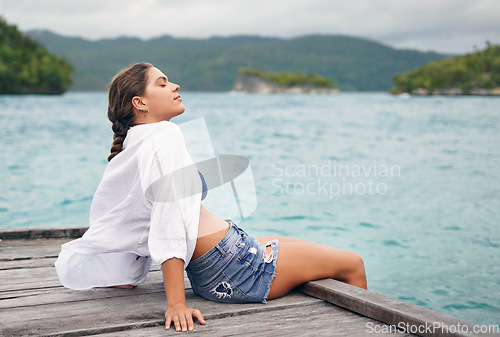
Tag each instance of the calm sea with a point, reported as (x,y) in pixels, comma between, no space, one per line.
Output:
(410,183)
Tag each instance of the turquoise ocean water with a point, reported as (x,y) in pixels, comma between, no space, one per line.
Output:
(411,184)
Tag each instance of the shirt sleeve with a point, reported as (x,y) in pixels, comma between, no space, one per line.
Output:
(170,180)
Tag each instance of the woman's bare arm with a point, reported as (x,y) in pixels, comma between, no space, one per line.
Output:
(177,311)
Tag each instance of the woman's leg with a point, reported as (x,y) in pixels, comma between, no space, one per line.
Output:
(300,261)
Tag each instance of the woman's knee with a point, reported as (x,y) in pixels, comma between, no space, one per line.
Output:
(357,274)
(354,267)
(359,264)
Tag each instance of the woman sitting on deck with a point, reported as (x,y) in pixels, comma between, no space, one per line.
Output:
(137,222)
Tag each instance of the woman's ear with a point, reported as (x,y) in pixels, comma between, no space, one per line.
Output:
(139,104)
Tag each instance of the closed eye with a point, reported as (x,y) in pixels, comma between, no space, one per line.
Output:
(162,80)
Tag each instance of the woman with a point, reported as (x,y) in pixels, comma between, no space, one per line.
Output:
(147,211)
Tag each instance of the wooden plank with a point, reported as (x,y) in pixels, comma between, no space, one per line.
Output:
(28,252)
(18,254)
(41,284)
(16,278)
(386,309)
(58,294)
(29,263)
(50,233)
(118,313)
(55,295)
(317,319)
(34,278)
(20,244)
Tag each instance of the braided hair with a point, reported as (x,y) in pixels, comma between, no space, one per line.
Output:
(128,83)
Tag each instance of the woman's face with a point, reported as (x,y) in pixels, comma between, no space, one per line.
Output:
(161,97)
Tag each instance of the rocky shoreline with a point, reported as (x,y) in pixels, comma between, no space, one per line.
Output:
(456,92)
(256,85)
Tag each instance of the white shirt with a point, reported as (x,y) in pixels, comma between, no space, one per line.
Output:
(145,211)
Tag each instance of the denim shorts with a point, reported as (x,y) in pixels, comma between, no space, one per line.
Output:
(236,270)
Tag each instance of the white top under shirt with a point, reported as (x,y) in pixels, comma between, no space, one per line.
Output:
(145,211)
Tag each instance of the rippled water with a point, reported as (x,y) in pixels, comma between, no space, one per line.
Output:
(412,185)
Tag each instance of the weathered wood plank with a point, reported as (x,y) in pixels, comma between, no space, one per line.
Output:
(385,309)
(42,284)
(59,294)
(118,313)
(18,254)
(21,243)
(21,250)
(318,319)
(44,233)
(29,263)
(16,278)
(38,278)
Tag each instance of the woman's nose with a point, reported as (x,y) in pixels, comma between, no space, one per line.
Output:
(176,87)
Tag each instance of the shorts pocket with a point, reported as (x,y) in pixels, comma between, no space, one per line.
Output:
(244,248)
(222,289)
(252,254)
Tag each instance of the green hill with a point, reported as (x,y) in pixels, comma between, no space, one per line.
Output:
(28,68)
(475,73)
(213,64)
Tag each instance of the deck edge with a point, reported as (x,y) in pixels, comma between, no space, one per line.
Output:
(388,310)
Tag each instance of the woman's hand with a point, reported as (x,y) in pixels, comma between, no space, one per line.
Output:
(182,317)
(177,310)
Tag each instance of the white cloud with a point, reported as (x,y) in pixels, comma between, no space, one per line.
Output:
(445,25)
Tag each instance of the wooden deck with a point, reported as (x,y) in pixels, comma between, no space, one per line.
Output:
(33,303)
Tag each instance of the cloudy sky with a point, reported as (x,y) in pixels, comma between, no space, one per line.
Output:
(453,26)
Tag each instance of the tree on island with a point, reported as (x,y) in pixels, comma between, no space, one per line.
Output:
(477,73)
(288,80)
(28,68)
(257,81)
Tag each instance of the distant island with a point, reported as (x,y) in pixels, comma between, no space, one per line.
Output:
(477,73)
(28,68)
(257,81)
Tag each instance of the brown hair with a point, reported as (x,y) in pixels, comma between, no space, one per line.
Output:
(128,83)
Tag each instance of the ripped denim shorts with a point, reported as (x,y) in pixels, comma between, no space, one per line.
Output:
(236,270)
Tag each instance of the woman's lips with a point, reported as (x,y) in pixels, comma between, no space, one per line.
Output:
(178,97)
